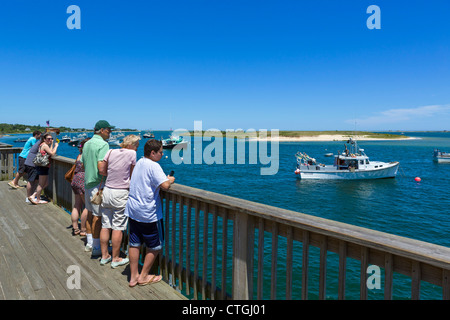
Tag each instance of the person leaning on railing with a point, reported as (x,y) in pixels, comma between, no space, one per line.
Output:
(94,152)
(44,148)
(22,158)
(144,210)
(117,167)
(77,185)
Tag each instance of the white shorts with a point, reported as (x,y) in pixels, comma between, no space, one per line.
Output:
(94,208)
(113,209)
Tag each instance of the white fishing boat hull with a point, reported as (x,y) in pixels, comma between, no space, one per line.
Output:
(173,145)
(442,159)
(384,170)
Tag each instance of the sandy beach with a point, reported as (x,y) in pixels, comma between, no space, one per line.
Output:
(331,138)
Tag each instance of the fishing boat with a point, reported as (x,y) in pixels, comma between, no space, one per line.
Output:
(120,134)
(114,141)
(441,156)
(74,142)
(148,135)
(352,164)
(65,138)
(173,141)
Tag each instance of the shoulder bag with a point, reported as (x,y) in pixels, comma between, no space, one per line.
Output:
(41,160)
(98,197)
(69,174)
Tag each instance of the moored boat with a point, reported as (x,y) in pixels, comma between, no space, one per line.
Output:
(65,138)
(352,164)
(74,142)
(148,135)
(173,141)
(114,141)
(441,156)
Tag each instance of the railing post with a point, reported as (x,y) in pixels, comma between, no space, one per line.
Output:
(240,263)
(10,169)
(54,185)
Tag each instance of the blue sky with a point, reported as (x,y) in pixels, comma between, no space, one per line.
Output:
(288,65)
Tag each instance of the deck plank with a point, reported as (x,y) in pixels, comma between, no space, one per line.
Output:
(37,247)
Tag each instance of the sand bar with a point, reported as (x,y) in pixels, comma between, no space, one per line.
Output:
(332,138)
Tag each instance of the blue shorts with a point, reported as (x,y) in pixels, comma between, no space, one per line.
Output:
(150,234)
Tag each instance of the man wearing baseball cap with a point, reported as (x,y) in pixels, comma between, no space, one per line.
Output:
(103,124)
(93,152)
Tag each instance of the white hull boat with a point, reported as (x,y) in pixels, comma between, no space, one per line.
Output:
(352,164)
(173,141)
(65,138)
(114,141)
(441,156)
(148,135)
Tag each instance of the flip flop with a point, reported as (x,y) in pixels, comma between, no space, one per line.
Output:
(11,184)
(33,201)
(151,280)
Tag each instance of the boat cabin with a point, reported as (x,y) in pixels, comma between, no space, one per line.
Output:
(438,153)
(343,162)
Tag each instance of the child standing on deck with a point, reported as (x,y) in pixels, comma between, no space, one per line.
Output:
(144,210)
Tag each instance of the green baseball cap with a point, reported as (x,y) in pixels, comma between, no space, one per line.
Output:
(103,124)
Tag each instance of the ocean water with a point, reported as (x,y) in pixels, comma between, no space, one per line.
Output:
(401,206)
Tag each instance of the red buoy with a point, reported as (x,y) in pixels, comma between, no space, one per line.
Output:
(417,179)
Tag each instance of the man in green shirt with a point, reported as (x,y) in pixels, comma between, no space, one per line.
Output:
(93,152)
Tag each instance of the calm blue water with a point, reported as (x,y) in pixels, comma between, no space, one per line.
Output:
(399,206)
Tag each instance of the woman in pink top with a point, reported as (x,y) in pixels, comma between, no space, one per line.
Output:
(118,166)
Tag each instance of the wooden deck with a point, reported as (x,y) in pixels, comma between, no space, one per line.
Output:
(37,248)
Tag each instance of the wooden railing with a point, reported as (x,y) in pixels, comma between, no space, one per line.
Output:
(245,226)
(220,247)
(8,161)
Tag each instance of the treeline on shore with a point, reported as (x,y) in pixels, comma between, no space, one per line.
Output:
(24,128)
(7,128)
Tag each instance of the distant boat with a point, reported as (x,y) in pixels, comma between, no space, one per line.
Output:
(352,164)
(173,141)
(65,138)
(441,156)
(148,134)
(114,141)
(76,141)
(21,140)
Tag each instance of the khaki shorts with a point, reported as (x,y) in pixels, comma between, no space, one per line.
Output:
(94,208)
(113,209)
